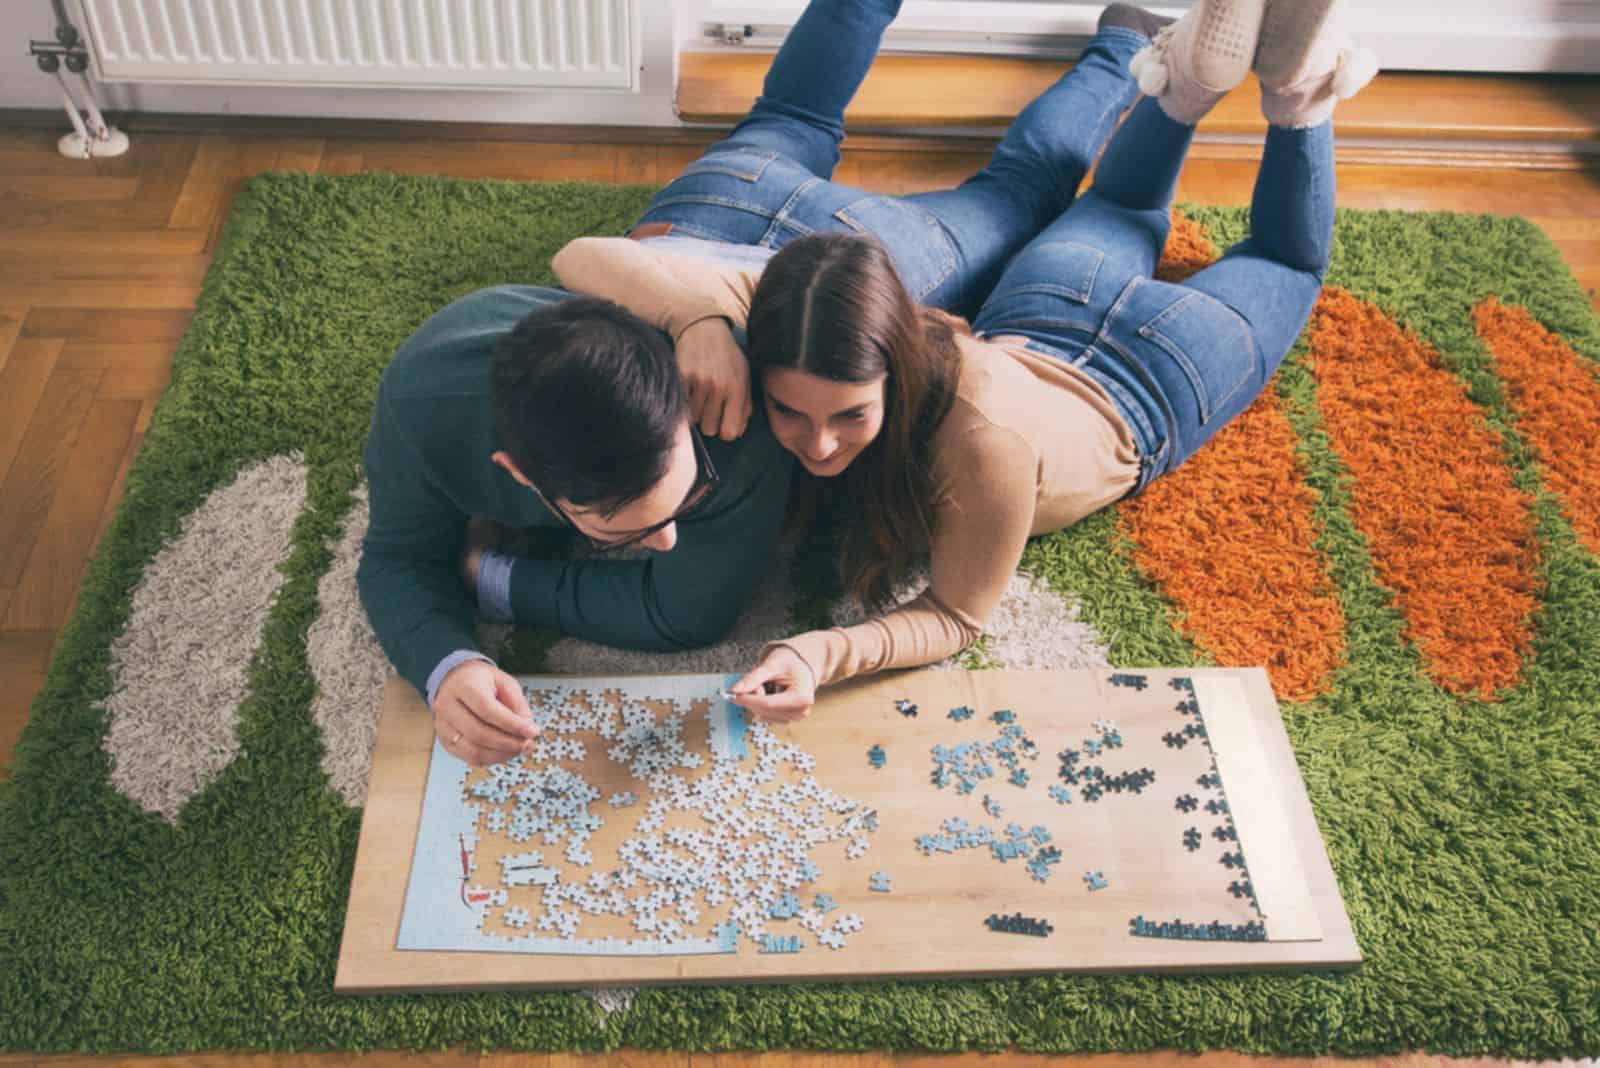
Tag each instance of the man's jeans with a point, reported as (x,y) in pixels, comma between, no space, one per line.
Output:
(1179,359)
(768,182)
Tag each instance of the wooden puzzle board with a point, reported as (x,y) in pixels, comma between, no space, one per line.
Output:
(931,924)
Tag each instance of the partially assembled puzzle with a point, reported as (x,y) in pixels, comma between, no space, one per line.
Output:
(912,825)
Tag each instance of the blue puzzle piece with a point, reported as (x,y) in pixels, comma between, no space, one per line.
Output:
(1095,880)
(880,882)
(780,944)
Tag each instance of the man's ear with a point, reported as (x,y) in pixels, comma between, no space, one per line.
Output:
(505,461)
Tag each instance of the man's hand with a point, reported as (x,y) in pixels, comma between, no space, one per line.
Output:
(780,689)
(481,714)
(717,376)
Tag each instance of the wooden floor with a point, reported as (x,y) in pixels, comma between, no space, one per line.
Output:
(100,264)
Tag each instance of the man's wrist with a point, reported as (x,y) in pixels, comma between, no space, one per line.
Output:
(450,662)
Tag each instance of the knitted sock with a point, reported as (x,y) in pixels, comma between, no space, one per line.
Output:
(1307,63)
(1194,62)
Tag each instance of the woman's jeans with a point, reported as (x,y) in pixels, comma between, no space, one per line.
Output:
(768,183)
(1179,359)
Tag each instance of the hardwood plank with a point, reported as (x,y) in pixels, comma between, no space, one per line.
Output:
(213,162)
(32,214)
(22,383)
(48,588)
(165,160)
(24,652)
(17,692)
(62,187)
(91,243)
(11,317)
(108,511)
(146,410)
(112,268)
(301,154)
(526,162)
(133,372)
(35,476)
(123,295)
(90,323)
(342,158)
(636,165)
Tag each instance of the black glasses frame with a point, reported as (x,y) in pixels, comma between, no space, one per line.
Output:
(705,483)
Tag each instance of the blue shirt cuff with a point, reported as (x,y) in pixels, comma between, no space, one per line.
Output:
(494,587)
(448,664)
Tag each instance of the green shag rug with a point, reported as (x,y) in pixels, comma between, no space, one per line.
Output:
(1429,606)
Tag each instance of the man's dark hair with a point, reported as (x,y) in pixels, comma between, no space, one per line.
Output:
(587,400)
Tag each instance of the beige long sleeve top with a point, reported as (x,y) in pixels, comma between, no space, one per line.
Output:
(1030,445)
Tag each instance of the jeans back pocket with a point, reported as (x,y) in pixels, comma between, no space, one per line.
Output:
(917,242)
(1209,344)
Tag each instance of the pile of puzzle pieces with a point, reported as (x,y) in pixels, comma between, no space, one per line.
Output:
(752,850)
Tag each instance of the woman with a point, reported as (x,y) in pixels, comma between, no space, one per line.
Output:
(769,182)
(1082,380)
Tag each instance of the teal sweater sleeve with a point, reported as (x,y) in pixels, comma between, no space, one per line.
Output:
(428,469)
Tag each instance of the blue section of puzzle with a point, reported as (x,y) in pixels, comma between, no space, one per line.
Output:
(727,725)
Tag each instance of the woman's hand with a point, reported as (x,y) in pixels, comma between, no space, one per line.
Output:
(780,689)
(717,376)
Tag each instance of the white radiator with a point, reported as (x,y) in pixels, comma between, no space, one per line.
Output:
(408,44)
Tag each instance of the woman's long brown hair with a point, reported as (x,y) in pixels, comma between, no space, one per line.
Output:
(832,305)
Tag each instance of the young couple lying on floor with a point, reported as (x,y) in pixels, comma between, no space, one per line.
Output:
(624,408)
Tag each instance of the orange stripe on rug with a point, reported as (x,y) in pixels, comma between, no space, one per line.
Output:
(1188,249)
(1449,532)
(1229,538)
(1557,402)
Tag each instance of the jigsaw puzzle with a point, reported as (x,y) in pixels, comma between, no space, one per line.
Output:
(653,823)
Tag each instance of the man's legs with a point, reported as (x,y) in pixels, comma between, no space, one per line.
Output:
(741,188)
(813,77)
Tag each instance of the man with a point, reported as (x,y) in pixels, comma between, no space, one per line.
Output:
(533,407)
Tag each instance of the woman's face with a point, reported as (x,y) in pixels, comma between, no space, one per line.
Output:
(823,422)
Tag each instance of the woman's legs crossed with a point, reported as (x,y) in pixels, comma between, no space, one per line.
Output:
(1110,236)
(1039,164)
(1272,277)
(1214,342)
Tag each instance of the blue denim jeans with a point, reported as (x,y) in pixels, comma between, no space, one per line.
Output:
(1179,359)
(769,181)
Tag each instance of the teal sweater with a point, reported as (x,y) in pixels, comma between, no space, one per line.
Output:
(428,470)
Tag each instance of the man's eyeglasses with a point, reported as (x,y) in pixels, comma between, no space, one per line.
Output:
(705,483)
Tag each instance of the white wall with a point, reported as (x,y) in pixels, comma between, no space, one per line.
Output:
(23,85)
